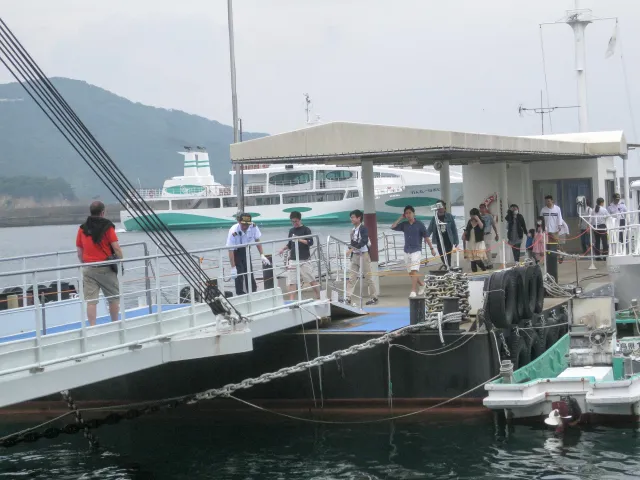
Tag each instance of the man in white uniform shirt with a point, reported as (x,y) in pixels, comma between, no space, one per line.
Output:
(618,210)
(243,233)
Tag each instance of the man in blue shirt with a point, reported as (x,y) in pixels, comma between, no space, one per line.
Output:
(414,231)
(448,230)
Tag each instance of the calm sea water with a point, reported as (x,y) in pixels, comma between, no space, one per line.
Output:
(195,449)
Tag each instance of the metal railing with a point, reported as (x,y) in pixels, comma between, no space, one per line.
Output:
(150,307)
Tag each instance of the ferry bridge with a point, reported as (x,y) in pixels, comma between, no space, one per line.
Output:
(49,347)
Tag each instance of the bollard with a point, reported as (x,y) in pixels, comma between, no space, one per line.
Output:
(12,301)
(417,310)
(506,371)
(551,259)
(450,305)
(267,273)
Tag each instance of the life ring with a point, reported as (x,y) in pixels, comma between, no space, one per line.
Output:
(490,199)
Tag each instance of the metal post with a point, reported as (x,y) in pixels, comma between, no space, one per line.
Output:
(122,325)
(504,254)
(83,310)
(234,105)
(592,266)
(445,183)
(158,296)
(38,317)
(370,219)
(147,278)
(344,286)
(361,280)
(579,26)
(192,294)
(544,252)
(502,209)
(43,302)
(296,246)
(319,261)
(58,279)
(24,283)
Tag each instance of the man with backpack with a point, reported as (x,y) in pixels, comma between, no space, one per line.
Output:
(359,252)
(97,241)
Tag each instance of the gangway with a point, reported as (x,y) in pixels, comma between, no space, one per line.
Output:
(47,347)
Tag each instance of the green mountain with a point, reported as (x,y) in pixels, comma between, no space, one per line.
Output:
(142,140)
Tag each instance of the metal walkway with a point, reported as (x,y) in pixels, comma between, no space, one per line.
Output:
(48,346)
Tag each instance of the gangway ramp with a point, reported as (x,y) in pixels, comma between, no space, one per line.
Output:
(46,364)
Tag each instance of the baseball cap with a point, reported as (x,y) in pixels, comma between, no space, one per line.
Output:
(616,195)
(245,219)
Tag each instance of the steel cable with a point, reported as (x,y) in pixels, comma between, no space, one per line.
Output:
(26,72)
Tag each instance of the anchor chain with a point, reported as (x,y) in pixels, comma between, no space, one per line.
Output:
(32,435)
(93,441)
(451,284)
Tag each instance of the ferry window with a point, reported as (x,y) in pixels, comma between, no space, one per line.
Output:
(159,204)
(263,200)
(213,203)
(384,175)
(329,196)
(338,175)
(229,202)
(290,178)
(353,194)
(297,198)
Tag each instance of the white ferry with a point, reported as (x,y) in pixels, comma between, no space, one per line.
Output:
(323,193)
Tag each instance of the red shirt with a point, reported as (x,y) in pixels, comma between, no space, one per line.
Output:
(92,252)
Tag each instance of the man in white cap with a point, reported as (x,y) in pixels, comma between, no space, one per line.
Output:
(242,233)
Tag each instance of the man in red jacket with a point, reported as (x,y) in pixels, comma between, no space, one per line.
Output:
(97,242)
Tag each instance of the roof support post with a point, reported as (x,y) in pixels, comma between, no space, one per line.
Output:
(527,194)
(502,208)
(445,183)
(370,220)
(627,186)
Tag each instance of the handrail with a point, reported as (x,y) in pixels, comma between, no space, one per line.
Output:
(61,252)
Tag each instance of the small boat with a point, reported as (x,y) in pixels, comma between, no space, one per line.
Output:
(325,194)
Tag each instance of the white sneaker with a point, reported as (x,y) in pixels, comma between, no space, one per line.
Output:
(421,290)
(412,295)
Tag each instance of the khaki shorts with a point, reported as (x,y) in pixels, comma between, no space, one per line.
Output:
(412,261)
(306,274)
(100,278)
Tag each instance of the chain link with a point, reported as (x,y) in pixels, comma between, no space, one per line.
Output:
(451,284)
(504,344)
(93,441)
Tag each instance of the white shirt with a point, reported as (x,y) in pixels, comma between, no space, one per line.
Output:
(355,237)
(600,217)
(618,209)
(237,237)
(552,218)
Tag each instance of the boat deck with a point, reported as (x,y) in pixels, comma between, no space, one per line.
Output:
(392,312)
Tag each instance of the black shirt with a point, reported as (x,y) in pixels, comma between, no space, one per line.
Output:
(303,249)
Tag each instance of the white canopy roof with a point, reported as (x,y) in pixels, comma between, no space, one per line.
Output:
(345,143)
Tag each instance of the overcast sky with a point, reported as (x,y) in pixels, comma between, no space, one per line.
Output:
(456,64)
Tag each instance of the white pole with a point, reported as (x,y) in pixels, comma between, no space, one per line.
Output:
(579,26)
(593,265)
(234,105)
(503,197)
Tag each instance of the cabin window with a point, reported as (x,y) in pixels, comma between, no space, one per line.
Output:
(229,202)
(353,194)
(338,175)
(290,178)
(159,204)
(384,175)
(262,200)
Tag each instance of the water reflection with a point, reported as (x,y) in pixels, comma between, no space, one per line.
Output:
(241,448)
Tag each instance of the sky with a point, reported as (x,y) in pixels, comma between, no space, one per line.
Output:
(464,65)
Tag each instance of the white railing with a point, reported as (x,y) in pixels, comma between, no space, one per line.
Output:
(194,191)
(152,305)
(622,240)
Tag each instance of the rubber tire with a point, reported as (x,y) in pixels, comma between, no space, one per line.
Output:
(530,292)
(538,281)
(520,297)
(550,335)
(520,351)
(536,344)
(502,299)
